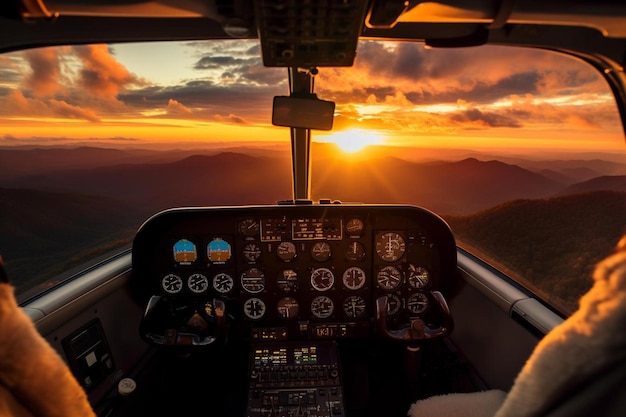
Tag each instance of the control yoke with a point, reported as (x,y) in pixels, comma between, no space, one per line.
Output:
(163,324)
(417,330)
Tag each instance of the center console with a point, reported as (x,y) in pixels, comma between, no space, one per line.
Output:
(295,379)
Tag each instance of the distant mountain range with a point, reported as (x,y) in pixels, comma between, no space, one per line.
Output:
(96,198)
(223,179)
(606,182)
(15,163)
(445,187)
(231,178)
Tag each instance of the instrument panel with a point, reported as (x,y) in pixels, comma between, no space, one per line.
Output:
(293,272)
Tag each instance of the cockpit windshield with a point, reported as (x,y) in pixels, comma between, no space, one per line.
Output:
(506,144)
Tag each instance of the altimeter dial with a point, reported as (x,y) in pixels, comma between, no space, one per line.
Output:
(322,307)
(390,246)
(354,306)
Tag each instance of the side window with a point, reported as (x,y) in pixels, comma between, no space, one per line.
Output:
(97,138)
(520,150)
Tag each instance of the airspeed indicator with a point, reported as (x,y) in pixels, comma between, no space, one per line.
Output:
(322,279)
(172,284)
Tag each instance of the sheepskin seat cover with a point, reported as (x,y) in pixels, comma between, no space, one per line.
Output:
(34,380)
(578,369)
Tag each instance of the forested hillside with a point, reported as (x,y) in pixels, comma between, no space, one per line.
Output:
(44,234)
(553,243)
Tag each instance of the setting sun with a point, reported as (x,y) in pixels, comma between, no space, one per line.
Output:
(352,140)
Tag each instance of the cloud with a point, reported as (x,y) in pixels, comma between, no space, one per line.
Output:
(480,119)
(479,75)
(176,107)
(101,74)
(208,99)
(240,64)
(19,105)
(231,118)
(44,79)
(402,87)
(63,109)
(219,62)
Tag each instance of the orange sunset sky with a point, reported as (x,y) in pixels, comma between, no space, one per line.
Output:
(209,93)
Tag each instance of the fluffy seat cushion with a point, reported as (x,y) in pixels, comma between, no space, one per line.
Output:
(475,404)
(579,368)
(576,370)
(34,380)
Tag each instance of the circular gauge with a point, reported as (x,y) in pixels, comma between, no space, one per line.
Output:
(355,252)
(320,251)
(172,284)
(418,276)
(353,278)
(251,252)
(354,306)
(286,251)
(253,280)
(223,283)
(288,308)
(354,227)
(248,227)
(218,250)
(393,304)
(417,303)
(322,307)
(185,252)
(198,283)
(389,278)
(287,280)
(322,279)
(390,246)
(254,308)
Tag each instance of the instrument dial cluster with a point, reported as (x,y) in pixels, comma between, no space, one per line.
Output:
(292,266)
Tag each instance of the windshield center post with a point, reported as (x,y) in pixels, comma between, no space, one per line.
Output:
(301,84)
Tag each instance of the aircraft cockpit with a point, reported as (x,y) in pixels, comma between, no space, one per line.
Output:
(291,281)
(182,225)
